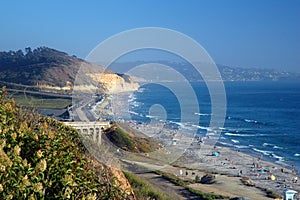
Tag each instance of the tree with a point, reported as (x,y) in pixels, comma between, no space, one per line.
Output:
(29,53)
(28,50)
(19,54)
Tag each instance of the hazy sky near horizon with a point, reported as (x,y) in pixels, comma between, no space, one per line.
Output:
(252,33)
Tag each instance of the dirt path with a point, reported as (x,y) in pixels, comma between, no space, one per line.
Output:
(171,190)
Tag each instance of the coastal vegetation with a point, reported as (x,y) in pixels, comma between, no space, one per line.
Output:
(42,65)
(129,142)
(40,158)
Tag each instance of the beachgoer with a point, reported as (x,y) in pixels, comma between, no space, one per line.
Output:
(295,179)
(259,158)
(272,177)
(202,140)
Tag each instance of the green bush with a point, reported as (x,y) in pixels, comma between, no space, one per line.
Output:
(197,179)
(40,158)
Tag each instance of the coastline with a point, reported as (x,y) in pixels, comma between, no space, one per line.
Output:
(230,166)
(229,163)
(259,171)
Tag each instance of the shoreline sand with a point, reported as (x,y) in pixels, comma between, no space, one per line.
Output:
(229,166)
(262,173)
(235,164)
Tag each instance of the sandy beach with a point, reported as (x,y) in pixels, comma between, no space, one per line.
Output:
(233,163)
(230,166)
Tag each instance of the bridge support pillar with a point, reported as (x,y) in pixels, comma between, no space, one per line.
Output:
(92,129)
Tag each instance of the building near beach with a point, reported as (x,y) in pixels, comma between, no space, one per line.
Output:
(290,194)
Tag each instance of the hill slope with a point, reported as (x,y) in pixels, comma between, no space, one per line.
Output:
(40,66)
(51,70)
(40,158)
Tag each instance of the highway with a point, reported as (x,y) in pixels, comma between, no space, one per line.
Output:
(82,110)
(79,112)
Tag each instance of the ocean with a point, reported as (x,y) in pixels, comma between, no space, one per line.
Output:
(262,118)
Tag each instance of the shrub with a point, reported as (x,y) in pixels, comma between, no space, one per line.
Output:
(43,159)
(197,179)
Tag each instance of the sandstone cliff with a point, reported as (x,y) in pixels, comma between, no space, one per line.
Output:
(115,83)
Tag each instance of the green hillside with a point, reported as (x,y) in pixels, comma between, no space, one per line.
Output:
(40,158)
(129,141)
(39,66)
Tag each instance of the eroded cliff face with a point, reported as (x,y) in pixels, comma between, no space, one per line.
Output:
(115,83)
(109,83)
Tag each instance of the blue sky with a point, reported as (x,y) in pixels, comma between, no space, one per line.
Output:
(252,33)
